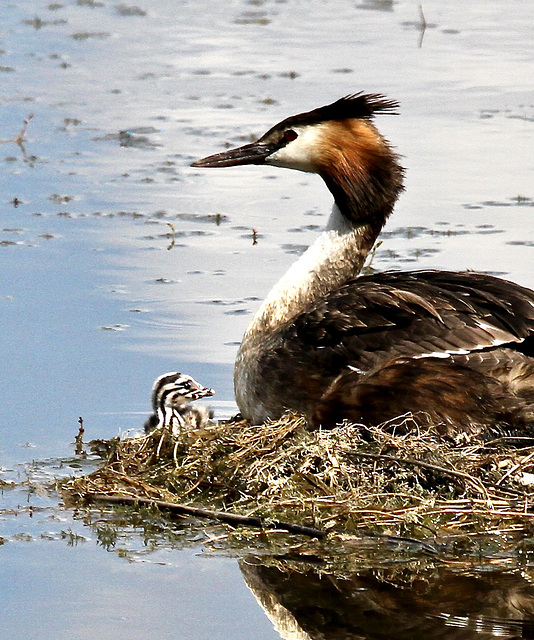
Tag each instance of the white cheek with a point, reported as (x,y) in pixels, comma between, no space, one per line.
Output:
(300,154)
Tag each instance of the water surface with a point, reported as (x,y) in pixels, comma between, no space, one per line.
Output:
(120,261)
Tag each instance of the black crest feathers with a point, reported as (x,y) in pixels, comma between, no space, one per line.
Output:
(358,105)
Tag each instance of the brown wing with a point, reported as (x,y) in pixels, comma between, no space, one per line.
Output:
(373,319)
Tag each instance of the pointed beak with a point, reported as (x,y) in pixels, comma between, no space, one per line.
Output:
(255,153)
(202,392)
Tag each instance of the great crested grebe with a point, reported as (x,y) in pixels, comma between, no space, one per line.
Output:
(324,332)
(171,395)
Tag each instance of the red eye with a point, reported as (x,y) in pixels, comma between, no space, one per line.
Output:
(290,135)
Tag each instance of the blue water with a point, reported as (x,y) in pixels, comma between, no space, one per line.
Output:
(99,294)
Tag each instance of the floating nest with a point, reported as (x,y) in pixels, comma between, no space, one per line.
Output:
(400,479)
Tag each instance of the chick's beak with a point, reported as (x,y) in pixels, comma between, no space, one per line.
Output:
(203,392)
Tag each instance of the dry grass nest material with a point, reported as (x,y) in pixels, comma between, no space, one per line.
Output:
(402,479)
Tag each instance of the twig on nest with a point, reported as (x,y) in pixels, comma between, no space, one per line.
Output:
(522,463)
(425,465)
(222,516)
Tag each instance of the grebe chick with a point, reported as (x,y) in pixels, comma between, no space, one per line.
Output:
(171,395)
(322,320)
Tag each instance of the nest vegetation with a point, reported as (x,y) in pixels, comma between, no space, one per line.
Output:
(399,478)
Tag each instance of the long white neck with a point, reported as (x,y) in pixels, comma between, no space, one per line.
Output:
(337,255)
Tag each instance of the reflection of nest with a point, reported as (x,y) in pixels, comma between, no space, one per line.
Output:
(401,479)
(303,603)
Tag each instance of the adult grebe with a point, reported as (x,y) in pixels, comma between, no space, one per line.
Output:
(322,331)
(171,395)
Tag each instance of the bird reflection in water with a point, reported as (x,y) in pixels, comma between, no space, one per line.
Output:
(304,602)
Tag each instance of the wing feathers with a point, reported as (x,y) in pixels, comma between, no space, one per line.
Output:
(417,314)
